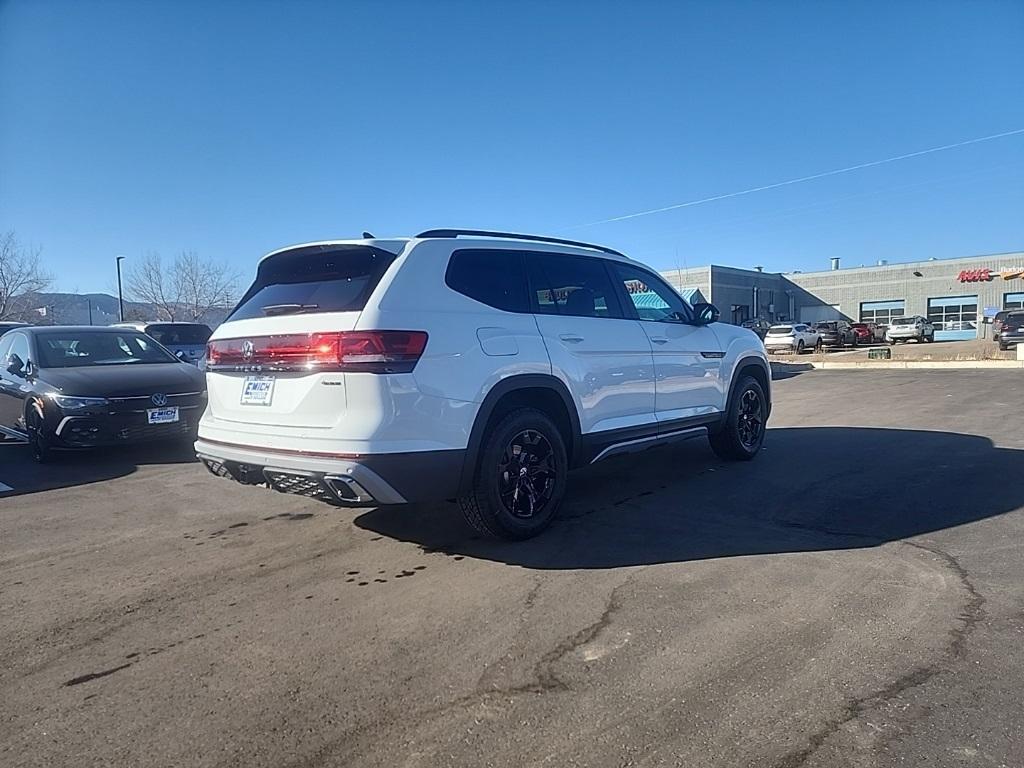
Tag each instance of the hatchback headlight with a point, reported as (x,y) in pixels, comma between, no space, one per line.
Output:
(69,403)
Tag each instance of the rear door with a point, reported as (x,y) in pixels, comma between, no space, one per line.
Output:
(603,356)
(263,367)
(687,358)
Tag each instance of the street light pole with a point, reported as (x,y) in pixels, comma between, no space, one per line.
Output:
(120,294)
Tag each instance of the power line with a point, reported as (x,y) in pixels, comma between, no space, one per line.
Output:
(801,179)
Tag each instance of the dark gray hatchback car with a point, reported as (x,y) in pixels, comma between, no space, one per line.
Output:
(83,387)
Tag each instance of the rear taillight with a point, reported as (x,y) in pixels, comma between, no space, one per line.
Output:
(366,351)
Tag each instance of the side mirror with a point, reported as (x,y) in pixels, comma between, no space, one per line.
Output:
(16,366)
(705,314)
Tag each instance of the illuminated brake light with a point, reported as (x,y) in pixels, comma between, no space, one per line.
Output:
(366,351)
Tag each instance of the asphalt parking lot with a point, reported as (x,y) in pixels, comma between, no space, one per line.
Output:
(854,597)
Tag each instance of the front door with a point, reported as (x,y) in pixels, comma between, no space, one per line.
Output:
(687,357)
(12,386)
(603,356)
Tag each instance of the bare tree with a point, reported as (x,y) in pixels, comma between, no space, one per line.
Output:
(203,285)
(186,290)
(21,276)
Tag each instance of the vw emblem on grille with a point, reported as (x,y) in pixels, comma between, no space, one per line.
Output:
(247,349)
(159,399)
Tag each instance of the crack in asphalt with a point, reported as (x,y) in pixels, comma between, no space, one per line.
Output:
(970,616)
(545,679)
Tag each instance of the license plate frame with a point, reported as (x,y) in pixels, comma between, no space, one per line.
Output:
(167,415)
(257,390)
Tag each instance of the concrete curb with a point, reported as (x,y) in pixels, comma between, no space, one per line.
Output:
(946,365)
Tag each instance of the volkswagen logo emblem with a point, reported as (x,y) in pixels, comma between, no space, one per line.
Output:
(159,399)
(247,349)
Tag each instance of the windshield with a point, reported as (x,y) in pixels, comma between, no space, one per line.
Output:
(904,321)
(314,279)
(177,334)
(87,348)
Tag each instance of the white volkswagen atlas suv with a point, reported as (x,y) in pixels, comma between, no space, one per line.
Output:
(469,365)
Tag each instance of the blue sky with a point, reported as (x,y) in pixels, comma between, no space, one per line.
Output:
(234,128)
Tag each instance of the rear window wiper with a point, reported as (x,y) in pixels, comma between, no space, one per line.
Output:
(288,309)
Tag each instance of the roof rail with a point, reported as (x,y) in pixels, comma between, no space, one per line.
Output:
(515,236)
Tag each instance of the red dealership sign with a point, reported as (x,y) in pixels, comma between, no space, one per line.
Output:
(975,275)
(988,275)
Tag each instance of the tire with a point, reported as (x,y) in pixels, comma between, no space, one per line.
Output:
(800,347)
(1003,347)
(892,342)
(38,441)
(931,338)
(503,506)
(733,441)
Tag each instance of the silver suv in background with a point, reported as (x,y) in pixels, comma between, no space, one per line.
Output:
(791,337)
(911,327)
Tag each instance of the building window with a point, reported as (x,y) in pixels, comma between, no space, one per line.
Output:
(1013,301)
(954,317)
(881,312)
(740,312)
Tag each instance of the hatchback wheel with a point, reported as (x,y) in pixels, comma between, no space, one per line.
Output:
(38,441)
(742,434)
(520,479)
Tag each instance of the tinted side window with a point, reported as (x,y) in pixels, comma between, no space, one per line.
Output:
(571,285)
(652,298)
(496,278)
(5,349)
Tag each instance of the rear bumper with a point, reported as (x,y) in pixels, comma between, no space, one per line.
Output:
(1010,339)
(347,480)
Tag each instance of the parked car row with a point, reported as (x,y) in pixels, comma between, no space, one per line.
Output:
(832,334)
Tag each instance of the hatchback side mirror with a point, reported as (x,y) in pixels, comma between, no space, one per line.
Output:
(15,365)
(705,314)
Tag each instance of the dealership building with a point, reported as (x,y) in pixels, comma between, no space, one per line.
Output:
(958,295)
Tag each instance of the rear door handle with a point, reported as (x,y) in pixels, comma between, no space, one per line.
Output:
(659,339)
(571,338)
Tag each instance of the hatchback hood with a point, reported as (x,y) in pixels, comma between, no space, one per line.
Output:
(129,380)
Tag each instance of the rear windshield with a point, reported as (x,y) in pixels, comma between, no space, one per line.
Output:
(904,321)
(780,329)
(825,326)
(87,348)
(174,334)
(314,279)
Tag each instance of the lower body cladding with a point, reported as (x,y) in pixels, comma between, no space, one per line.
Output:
(350,481)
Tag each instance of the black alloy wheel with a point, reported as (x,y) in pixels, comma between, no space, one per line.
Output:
(742,433)
(37,440)
(750,423)
(520,477)
(526,474)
